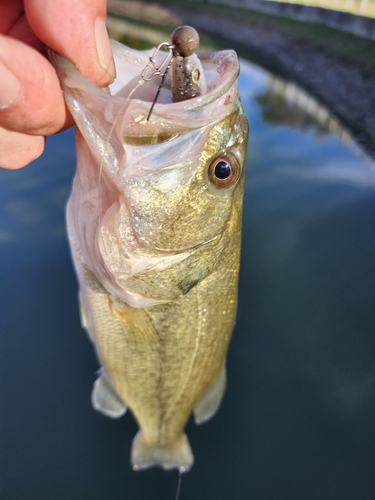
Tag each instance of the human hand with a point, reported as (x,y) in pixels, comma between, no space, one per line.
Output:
(31,101)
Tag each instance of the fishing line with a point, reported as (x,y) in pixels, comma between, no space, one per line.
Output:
(141,82)
(181,470)
(102,161)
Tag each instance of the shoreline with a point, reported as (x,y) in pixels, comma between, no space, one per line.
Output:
(343,87)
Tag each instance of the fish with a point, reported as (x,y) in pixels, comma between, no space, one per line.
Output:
(154,224)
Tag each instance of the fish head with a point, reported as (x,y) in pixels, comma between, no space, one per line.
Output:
(156,201)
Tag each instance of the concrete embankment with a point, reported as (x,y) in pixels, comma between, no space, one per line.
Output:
(343,21)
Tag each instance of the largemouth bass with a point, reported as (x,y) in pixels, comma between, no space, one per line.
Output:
(154,223)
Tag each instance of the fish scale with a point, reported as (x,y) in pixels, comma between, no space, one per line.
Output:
(156,244)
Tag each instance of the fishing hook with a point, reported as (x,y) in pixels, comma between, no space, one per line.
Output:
(161,70)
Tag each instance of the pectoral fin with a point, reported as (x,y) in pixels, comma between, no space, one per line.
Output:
(209,404)
(84,316)
(105,400)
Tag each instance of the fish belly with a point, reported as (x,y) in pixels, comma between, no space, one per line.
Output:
(162,360)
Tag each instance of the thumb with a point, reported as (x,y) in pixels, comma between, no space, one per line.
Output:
(75,29)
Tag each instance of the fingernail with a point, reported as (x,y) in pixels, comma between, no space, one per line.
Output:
(103,47)
(9,87)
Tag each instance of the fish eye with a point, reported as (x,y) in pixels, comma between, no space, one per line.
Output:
(223,171)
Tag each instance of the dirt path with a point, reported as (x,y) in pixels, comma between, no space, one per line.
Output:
(344,88)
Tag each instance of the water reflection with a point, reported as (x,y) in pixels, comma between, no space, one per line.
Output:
(285,103)
(144,35)
(32,222)
(297,421)
(136,36)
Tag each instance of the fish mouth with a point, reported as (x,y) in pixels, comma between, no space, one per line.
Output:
(128,116)
(221,70)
